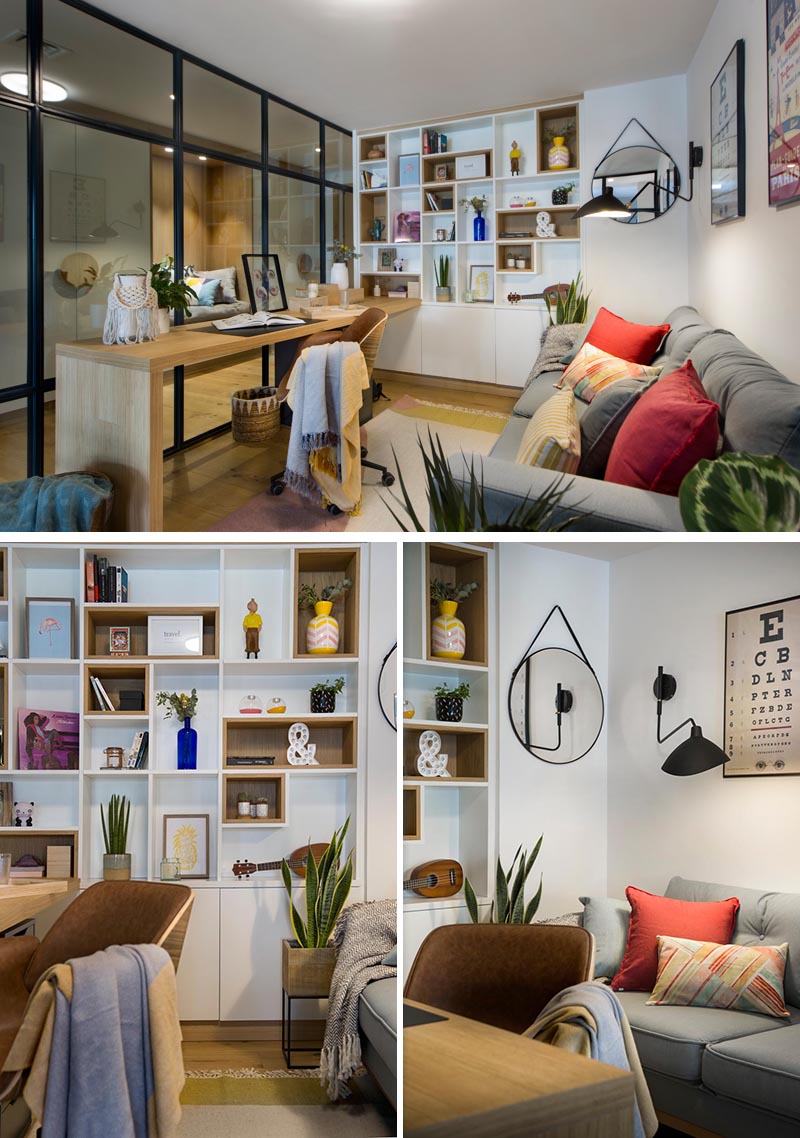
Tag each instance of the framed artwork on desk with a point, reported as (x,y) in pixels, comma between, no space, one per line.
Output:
(264,282)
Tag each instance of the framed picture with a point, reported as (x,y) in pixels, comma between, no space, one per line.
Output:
(48,740)
(408,170)
(385,258)
(481,282)
(762,727)
(174,636)
(264,282)
(406,226)
(728,139)
(186,838)
(783,101)
(440,172)
(119,641)
(50,628)
(77,207)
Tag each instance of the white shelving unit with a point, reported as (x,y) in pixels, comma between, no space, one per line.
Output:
(220,978)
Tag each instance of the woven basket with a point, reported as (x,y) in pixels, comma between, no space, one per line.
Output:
(255,414)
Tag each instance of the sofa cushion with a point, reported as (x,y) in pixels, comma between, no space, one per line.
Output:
(206,289)
(600,424)
(594,370)
(195,313)
(698,974)
(672,427)
(537,392)
(760,407)
(607,919)
(635,342)
(377,1013)
(762,1070)
(672,1040)
(552,438)
(227,279)
(557,339)
(507,444)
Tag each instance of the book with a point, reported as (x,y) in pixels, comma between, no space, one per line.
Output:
(138,752)
(442,143)
(101,694)
(26,871)
(6,803)
(90,579)
(250,761)
(258,320)
(426,142)
(48,740)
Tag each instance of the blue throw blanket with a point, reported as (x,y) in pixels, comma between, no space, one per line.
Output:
(100,1077)
(58,503)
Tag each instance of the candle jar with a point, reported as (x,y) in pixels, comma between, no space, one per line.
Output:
(520,263)
(170,869)
(510,261)
(114,756)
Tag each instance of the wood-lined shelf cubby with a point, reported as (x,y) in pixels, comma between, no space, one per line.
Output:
(555,118)
(374,204)
(412,816)
(269,786)
(3,574)
(369,142)
(455,564)
(467,750)
(444,195)
(100,619)
(321,567)
(19,842)
(115,678)
(335,736)
(5,736)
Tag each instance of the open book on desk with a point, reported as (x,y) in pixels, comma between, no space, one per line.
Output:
(257,320)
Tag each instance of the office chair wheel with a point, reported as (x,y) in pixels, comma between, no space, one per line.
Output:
(387,479)
(364,452)
(334,510)
(277,488)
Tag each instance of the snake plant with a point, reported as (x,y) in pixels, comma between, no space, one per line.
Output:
(509,907)
(115,834)
(569,309)
(741,492)
(441,271)
(327,889)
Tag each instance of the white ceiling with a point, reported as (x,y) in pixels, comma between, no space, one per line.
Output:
(365,63)
(599,550)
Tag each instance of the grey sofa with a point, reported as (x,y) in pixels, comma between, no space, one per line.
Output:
(377,1021)
(736,1074)
(230,305)
(760,412)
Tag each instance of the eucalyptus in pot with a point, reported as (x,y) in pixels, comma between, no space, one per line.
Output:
(116,859)
(179,705)
(322,634)
(450,702)
(171,292)
(342,253)
(323,696)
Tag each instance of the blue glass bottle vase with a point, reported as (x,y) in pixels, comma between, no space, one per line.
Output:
(187,747)
(479,227)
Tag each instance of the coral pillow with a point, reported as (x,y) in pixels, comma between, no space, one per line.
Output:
(653,916)
(635,342)
(593,370)
(701,975)
(670,429)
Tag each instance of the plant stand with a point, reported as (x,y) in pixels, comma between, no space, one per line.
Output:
(306,975)
(287,1047)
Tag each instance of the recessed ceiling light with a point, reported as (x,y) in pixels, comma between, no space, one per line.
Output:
(318,149)
(172,97)
(202,158)
(169,149)
(17,82)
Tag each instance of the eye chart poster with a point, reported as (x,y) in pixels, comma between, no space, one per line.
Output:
(762,649)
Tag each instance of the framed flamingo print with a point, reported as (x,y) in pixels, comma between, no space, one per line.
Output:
(50,628)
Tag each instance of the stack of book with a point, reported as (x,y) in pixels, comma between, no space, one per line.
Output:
(101,695)
(106,583)
(27,866)
(372,181)
(137,754)
(433,142)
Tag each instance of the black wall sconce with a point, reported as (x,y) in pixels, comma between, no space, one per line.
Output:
(695,754)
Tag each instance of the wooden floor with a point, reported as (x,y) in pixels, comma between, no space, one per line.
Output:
(264,1055)
(207,482)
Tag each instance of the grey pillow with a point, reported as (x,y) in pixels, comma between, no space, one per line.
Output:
(607,919)
(390,959)
(603,418)
(227,278)
(576,347)
(556,340)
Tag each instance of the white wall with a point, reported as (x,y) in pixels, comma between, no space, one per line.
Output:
(668,607)
(742,274)
(640,272)
(565,803)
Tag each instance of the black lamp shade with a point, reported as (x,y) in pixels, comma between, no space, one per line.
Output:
(694,755)
(605,205)
(104,231)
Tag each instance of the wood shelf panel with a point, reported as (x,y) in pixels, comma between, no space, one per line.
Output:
(269,786)
(7,733)
(456,565)
(336,738)
(3,574)
(115,677)
(368,142)
(19,842)
(467,750)
(321,567)
(412,814)
(566,115)
(99,619)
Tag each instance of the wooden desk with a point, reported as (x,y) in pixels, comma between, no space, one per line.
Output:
(109,406)
(21,902)
(467,1079)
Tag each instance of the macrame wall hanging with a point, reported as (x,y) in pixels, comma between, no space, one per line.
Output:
(132,314)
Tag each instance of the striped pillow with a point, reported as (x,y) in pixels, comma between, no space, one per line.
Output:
(698,974)
(552,438)
(593,370)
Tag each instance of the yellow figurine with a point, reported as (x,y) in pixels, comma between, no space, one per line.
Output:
(515,154)
(252,628)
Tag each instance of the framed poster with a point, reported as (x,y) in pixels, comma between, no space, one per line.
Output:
(408,170)
(481,283)
(49,628)
(762,649)
(77,207)
(783,100)
(264,282)
(186,838)
(406,226)
(48,740)
(174,636)
(728,139)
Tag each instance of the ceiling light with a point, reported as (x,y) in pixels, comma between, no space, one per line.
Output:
(169,149)
(202,158)
(17,82)
(172,97)
(318,149)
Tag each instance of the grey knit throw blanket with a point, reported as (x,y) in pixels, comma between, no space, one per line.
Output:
(363,935)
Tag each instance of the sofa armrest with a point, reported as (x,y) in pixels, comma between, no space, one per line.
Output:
(594,505)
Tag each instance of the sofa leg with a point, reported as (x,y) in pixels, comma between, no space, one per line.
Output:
(681,1125)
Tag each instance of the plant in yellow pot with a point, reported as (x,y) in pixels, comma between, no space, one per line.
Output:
(322,634)
(558,157)
(448,634)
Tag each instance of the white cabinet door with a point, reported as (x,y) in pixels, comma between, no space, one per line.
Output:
(198,974)
(401,348)
(458,343)
(519,334)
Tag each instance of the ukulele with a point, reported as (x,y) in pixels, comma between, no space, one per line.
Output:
(553,291)
(435,879)
(296,860)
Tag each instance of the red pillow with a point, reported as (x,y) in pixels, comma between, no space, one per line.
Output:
(653,916)
(637,343)
(673,425)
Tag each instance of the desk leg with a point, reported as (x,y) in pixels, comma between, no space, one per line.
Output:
(109,420)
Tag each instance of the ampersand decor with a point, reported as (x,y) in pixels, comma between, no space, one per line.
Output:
(300,753)
(431,763)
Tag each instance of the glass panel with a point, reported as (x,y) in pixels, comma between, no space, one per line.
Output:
(220,114)
(294,230)
(338,224)
(13,247)
(106,73)
(14,440)
(97,221)
(293,140)
(338,156)
(13,48)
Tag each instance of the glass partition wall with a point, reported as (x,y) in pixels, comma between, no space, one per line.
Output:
(128,151)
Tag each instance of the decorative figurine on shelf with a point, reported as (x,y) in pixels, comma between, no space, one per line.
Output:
(398,264)
(376,152)
(530,202)
(376,230)
(252,629)
(516,202)
(23,814)
(409,711)
(250,705)
(277,706)
(300,753)
(431,763)
(514,155)
(544,226)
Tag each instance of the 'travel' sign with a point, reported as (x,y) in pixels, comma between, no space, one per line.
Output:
(762,649)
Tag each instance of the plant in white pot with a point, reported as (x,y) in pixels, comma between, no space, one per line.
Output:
(171,293)
(308,960)
(441,270)
(342,253)
(116,859)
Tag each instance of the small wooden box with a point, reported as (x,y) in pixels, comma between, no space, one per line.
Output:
(306,971)
(298,303)
(59,861)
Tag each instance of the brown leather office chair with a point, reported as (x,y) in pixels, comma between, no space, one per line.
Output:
(503,975)
(110,912)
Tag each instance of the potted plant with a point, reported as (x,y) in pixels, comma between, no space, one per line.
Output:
(479,204)
(342,253)
(262,808)
(171,292)
(569,309)
(441,270)
(450,702)
(323,696)
(508,907)
(243,803)
(741,492)
(561,193)
(116,859)
(558,155)
(322,634)
(182,706)
(308,961)
(448,635)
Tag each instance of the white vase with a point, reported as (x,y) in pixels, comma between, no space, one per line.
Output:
(163,321)
(340,275)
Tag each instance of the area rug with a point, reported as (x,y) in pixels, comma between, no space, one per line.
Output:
(397,429)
